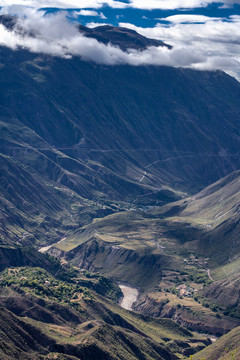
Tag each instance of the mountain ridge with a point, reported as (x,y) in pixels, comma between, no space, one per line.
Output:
(119,36)
(122,37)
(105,163)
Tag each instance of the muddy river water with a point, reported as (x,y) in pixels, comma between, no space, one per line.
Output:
(130,295)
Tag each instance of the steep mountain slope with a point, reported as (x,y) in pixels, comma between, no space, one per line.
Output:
(224,292)
(215,210)
(43,317)
(184,244)
(88,118)
(226,348)
(109,133)
(27,204)
(206,223)
(26,256)
(32,207)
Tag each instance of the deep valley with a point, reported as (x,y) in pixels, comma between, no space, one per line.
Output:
(119,208)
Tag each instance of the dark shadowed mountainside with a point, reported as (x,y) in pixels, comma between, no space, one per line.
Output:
(119,36)
(111,133)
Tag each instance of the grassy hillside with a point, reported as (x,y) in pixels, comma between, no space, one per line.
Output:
(215,210)
(80,319)
(160,249)
(205,224)
(226,348)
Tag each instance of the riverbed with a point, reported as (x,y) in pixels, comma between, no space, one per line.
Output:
(44,249)
(130,295)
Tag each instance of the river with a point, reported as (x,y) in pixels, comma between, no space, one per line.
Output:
(44,249)
(130,295)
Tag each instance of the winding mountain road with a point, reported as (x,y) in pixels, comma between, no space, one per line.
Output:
(209,274)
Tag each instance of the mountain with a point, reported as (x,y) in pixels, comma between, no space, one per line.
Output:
(215,210)
(8,21)
(119,36)
(26,256)
(122,172)
(78,135)
(206,223)
(184,243)
(225,348)
(31,206)
(43,317)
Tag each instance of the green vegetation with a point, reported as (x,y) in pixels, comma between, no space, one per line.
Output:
(40,283)
(81,318)
(225,348)
(199,277)
(75,286)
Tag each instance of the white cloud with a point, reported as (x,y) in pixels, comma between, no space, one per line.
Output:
(167,4)
(177,4)
(209,32)
(93,24)
(212,45)
(187,18)
(235,18)
(64,4)
(89,13)
(216,43)
(138,4)
(228,4)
